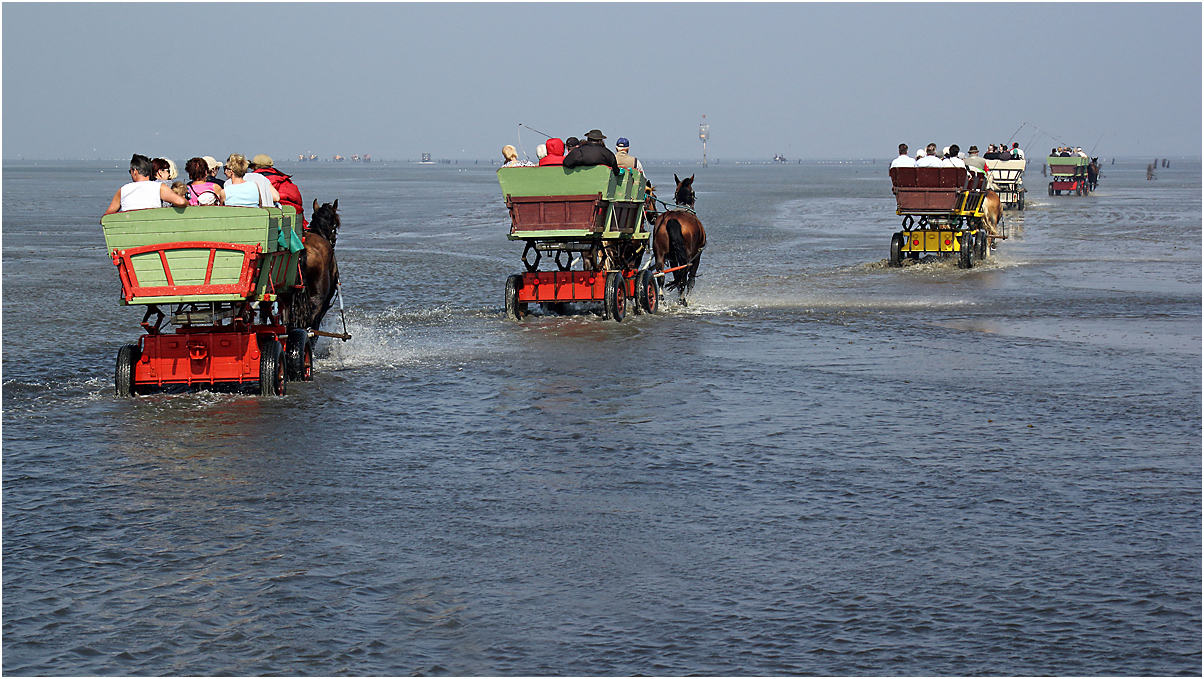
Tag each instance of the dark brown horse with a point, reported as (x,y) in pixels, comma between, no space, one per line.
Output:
(319,269)
(678,238)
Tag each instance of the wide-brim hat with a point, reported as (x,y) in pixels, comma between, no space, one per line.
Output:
(595,135)
(213,163)
(973,149)
(262,160)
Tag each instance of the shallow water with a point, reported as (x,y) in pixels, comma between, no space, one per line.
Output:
(821,466)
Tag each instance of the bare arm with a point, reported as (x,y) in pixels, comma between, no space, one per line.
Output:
(221,194)
(115,205)
(172,197)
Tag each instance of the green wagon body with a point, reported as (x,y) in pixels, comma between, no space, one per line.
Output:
(1068,166)
(274,268)
(581,203)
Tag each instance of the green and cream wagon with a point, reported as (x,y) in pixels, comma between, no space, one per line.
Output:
(590,223)
(225,276)
(1069,174)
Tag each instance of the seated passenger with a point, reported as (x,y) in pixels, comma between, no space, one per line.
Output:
(511,156)
(930,159)
(1017,152)
(555,153)
(214,168)
(142,193)
(165,170)
(953,158)
(241,192)
(623,157)
(592,152)
(903,160)
(201,190)
(975,163)
(570,144)
(541,152)
(287,193)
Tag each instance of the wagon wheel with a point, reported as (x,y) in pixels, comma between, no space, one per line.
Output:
(514,308)
(123,380)
(1051,190)
(299,356)
(615,297)
(1020,201)
(965,251)
(647,292)
(896,250)
(981,243)
(271,368)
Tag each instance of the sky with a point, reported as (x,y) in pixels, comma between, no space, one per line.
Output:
(810,81)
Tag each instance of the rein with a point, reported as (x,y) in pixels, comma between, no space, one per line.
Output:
(677,208)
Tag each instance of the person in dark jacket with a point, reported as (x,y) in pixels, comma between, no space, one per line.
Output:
(592,152)
(283,183)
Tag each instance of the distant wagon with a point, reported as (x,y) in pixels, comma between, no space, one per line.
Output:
(1008,177)
(222,277)
(1070,174)
(584,217)
(942,209)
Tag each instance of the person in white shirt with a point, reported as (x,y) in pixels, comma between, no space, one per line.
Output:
(930,158)
(952,157)
(1017,152)
(142,193)
(903,160)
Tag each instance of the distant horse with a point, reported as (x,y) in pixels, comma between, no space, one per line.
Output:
(678,238)
(1093,173)
(319,269)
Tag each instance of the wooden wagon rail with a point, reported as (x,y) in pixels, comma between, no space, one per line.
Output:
(131,288)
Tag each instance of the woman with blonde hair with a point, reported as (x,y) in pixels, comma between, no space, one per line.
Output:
(239,191)
(511,156)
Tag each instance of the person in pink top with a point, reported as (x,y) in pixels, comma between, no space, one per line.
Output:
(201,191)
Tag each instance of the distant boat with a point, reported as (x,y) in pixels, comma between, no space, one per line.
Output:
(426,159)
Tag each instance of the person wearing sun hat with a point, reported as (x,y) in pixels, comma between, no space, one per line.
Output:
(622,156)
(262,165)
(592,152)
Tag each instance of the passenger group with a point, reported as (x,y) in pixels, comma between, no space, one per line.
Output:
(573,152)
(951,156)
(254,183)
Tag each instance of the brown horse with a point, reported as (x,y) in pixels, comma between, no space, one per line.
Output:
(678,238)
(319,269)
(992,213)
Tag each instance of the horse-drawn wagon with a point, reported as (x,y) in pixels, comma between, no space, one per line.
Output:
(226,276)
(586,216)
(943,211)
(1008,178)
(1070,174)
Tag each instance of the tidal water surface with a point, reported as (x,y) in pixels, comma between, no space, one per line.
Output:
(821,466)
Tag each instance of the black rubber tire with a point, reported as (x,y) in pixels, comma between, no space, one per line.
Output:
(123,379)
(514,308)
(1020,202)
(299,356)
(981,242)
(271,368)
(965,253)
(647,292)
(1051,189)
(896,250)
(614,298)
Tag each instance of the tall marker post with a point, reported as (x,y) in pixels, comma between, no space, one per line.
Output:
(704,133)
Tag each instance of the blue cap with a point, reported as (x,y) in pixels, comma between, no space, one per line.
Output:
(623,142)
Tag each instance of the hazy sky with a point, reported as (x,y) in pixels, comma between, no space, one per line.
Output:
(455,80)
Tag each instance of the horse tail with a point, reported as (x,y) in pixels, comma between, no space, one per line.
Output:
(677,244)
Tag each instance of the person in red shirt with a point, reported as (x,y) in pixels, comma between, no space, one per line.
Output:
(283,183)
(555,153)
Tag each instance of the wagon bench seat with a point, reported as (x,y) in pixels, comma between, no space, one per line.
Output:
(202,253)
(555,202)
